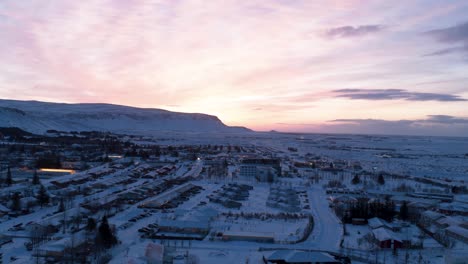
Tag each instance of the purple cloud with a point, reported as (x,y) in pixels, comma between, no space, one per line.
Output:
(451,34)
(457,34)
(447,51)
(432,125)
(395,94)
(350,31)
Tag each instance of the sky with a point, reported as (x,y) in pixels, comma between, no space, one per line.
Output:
(350,66)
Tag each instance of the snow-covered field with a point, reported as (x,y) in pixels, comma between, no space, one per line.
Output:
(443,160)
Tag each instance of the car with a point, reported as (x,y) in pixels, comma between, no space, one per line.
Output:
(179,257)
(28,245)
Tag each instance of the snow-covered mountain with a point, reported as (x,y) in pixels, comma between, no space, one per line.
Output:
(38,117)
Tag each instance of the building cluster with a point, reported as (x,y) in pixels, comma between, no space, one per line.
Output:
(445,229)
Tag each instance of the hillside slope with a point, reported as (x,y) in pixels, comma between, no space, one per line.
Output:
(38,117)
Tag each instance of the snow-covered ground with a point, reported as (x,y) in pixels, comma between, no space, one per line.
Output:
(443,159)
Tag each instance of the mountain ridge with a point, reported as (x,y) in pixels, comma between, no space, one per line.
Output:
(38,117)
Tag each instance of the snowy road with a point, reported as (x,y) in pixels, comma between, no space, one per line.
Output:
(328,231)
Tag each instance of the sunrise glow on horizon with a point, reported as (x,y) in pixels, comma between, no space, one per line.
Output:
(284,65)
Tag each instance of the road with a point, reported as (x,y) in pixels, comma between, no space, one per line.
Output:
(328,230)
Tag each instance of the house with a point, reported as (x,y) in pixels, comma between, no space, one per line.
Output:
(182,230)
(3,210)
(266,170)
(42,229)
(346,200)
(376,222)
(184,226)
(447,221)
(58,248)
(386,238)
(263,237)
(416,208)
(359,221)
(455,208)
(429,217)
(456,256)
(300,257)
(458,233)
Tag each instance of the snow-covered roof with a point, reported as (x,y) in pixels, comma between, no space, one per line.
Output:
(28,199)
(4,209)
(450,221)
(455,206)
(432,215)
(183,224)
(63,243)
(296,256)
(460,231)
(205,214)
(344,198)
(249,234)
(383,234)
(308,257)
(376,222)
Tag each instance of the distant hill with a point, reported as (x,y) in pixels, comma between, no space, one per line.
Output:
(38,117)
(13,132)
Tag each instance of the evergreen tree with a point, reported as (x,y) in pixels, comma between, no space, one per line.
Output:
(58,163)
(9,179)
(404,211)
(381,179)
(388,209)
(105,236)
(35,179)
(42,196)
(355,179)
(61,206)
(91,225)
(16,203)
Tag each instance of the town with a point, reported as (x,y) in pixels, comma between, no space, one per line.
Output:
(98,197)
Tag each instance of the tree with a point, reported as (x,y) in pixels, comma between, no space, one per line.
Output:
(91,225)
(270,177)
(42,196)
(388,209)
(35,179)
(381,179)
(61,206)
(9,179)
(404,211)
(356,179)
(58,163)
(105,236)
(16,203)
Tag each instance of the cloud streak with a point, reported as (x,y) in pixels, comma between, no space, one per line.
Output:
(446,51)
(431,119)
(457,35)
(395,94)
(437,125)
(351,31)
